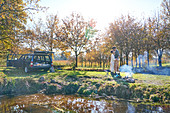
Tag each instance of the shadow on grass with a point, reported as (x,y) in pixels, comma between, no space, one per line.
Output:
(14,72)
(75,73)
(121,82)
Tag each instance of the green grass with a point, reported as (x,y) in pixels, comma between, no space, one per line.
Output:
(13,72)
(89,75)
(166,64)
(92,68)
(163,65)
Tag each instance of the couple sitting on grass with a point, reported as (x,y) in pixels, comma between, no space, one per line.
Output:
(114,62)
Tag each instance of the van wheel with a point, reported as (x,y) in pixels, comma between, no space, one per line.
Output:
(26,69)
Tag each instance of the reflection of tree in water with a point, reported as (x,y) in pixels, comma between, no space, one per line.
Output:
(144,108)
(131,109)
(119,107)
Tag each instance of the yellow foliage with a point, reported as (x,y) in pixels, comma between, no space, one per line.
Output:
(3,16)
(13,16)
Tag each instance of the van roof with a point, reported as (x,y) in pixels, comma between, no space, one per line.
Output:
(36,53)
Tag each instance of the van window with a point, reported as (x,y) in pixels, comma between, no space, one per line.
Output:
(28,57)
(22,57)
(47,58)
(38,58)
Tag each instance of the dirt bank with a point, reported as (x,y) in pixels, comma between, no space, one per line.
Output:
(136,91)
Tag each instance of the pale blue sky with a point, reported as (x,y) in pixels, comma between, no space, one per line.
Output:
(103,11)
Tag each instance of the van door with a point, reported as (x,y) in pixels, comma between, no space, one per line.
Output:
(28,59)
(21,61)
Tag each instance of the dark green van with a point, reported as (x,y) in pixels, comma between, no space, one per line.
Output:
(29,62)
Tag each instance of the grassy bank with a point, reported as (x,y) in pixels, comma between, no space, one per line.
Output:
(147,88)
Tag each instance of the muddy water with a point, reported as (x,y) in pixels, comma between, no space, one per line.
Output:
(40,103)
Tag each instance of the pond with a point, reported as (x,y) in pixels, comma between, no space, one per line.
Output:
(40,103)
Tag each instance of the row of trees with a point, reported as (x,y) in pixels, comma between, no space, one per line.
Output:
(75,34)
(133,37)
(151,35)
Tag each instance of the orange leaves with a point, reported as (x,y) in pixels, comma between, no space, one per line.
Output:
(3,17)
(1,1)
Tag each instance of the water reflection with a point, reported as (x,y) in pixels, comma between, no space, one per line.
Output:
(40,103)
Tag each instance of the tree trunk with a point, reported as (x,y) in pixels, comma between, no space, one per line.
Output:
(132,59)
(82,62)
(124,60)
(148,57)
(143,61)
(103,65)
(76,58)
(85,62)
(159,52)
(51,44)
(139,62)
(136,60)
(138,53)
(127,59)
(31,44)
(156,62)
(100,62)
(121,59)
(160,60)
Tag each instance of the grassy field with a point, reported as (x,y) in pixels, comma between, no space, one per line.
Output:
(140,78)
(68,64)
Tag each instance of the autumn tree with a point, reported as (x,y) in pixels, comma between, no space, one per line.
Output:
(44,32)
(13,17)
(52,27)
(73,33)
(159,37)
(127,31)
(29,39)
(121,34)
(165,20)
(147,32)
(114,37)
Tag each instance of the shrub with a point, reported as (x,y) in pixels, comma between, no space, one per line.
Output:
(155,97)
(51,89)
(71,88)
(82,88)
